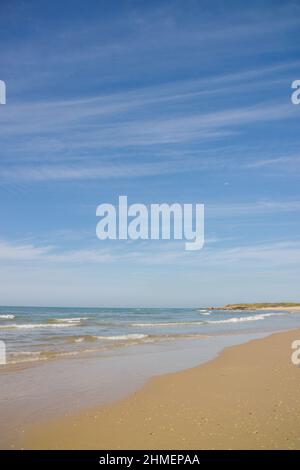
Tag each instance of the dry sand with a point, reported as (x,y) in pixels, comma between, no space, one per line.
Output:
(247,398)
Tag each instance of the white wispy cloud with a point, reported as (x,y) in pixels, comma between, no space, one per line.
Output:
(22,252)
(104,171)
(251,209)
(259,255)
(145,132)
(284,161)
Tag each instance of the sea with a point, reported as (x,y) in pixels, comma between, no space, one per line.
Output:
(33,334)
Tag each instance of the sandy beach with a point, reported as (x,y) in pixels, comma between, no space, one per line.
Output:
(247,398)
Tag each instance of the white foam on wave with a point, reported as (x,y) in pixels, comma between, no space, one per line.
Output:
(168,323)
(7,316)
(244,319)
(25,353)
(254,317)
(30,326)
(123,337)
(70,320)
(204,312)
(79,340)
(34,356)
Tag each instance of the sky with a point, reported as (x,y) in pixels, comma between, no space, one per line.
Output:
(165,102)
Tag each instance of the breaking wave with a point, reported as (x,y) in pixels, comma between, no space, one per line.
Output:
(30,326)
(243,319)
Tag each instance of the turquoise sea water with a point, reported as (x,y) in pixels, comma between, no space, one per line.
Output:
(36,334)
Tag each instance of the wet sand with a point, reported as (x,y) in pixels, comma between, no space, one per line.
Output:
(247,398)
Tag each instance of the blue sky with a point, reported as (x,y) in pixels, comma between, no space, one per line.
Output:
(164,101)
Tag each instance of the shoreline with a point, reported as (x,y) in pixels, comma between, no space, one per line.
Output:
(247,397)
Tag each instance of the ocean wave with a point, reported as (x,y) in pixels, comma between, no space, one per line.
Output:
(25,353)
(80,339)
(168,323)
(91,338)
(121,340)
(67,320)
(124,337)
(245,319)
(30,326)
(7,316)
(254,317)
(204,312)
(33,356)
(132,337)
